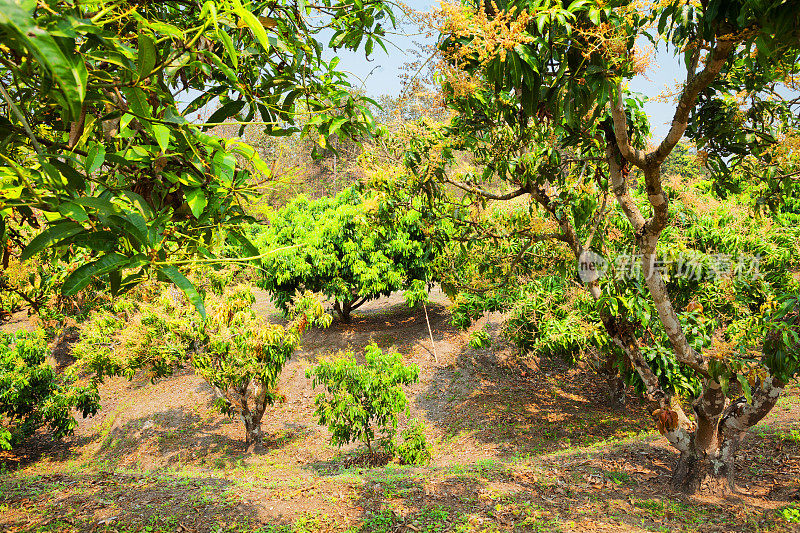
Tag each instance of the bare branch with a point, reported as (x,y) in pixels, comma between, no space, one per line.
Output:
(486,194)
(634,155)
(714,63)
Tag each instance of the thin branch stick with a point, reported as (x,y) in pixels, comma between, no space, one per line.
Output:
(228,259)
(430,332)
(486,194)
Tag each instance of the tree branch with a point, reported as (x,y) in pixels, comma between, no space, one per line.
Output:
(634,155)
(697,83)
(486,194)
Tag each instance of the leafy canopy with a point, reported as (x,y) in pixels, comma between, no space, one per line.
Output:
(352,248)
(33,395)
(97,135)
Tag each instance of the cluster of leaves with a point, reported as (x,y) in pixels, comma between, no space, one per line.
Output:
(352,248)
(359,399)
(96,140)
(412,448)
(144,330)
(33,395)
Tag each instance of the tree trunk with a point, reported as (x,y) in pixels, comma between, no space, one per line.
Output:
(617,388)
(708,471)
(252,428)
(343,310)
(707,465)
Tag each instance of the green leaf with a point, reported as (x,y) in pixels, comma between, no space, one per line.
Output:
(103,206)
(95,157)
(140,204)
(161,133)
(186,286)
(748,393)
(249,247)
(68,70)
(224,165)
(336,124)
(128,227)
(253,23)
(74,178)
(99,241)
(229,48)
(137,101)
(115,277)
(196,200)
(74,211)
(146,59)
(226,111)
(82,275)
(49,237)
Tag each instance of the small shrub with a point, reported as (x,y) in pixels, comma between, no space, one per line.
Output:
(361,397)
(32,395)
(413,449)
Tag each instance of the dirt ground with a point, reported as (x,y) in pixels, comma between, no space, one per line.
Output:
(519,445)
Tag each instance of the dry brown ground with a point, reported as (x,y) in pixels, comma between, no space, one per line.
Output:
(518,446)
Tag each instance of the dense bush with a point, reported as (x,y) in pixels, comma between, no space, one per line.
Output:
(33,395)
(352,248)
(362,399)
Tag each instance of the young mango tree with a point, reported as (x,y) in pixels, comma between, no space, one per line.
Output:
(358,398)
(241,355)
(237,352)
(101,149)
(33,395)
(539,88)
(352,248)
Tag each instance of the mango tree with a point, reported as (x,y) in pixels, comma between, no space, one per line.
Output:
(241,355)
(352,248)
(539,88)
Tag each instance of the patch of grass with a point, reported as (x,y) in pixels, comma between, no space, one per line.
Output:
(688,515)
(436,519)
(790,514)
(379,522)
(791,436)
(618,477)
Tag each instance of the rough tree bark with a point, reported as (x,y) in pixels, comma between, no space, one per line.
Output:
(252,406)
(709,465)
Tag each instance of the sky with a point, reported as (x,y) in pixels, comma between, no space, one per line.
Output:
(381,73)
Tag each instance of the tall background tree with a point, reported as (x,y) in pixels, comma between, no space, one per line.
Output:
(541,99)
